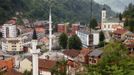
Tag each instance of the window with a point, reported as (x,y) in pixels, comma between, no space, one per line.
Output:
(104,26)
(93,61)
(108,26)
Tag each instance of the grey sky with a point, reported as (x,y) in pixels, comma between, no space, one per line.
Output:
(116,5)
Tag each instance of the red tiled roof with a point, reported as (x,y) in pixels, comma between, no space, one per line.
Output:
(85,51)
(46,65)
(120,31)
(12,72)
(72,53)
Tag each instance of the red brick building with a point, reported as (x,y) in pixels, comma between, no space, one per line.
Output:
(62,28)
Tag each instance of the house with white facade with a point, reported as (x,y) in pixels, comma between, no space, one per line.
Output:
(25,64)
(12,44)
(110,24)
(88,38)
(9,31)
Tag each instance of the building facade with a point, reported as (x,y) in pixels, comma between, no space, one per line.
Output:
(9,31)
(110,24)
(88,38)
(75,27)
(12,44)
(62,28)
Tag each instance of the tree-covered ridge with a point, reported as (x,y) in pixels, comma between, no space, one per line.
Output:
(62,10)
(8,8)
(129,16)
(129,11)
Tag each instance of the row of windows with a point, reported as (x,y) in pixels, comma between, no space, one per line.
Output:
(107,26)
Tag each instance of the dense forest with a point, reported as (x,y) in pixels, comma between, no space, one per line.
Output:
(129,16)
(62,10)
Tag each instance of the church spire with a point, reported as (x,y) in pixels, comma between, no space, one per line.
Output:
(34,37)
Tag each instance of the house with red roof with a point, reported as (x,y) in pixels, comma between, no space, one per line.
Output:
(119,34)
(83,56)
(6,63)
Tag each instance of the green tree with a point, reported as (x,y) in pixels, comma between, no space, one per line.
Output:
(131,25)
(120,17)
(63,40)
(102,37)
(27,72)
(74,42)
(114,61)
(93,23)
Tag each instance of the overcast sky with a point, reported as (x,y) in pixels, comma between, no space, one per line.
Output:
(116,5)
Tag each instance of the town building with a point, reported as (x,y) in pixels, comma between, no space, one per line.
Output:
(88,38)
(9,31)
(45,66)
(6,63)
(71,54)
(95,56)
(83,56)
(110,24)
(129,36)
(12,44)
(120,34)
(63,27)
(25,65)
(75,27)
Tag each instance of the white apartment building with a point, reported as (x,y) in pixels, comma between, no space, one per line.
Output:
(110,24)
(88,38)
(12,44)
(9,31)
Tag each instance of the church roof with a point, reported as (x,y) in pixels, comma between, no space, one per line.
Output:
(111,20)
(104,8)
(34,35)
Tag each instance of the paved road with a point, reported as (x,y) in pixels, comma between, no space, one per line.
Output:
(107,36)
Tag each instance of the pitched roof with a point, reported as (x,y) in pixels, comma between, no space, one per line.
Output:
(120,31)
(71,53)
(111,20)
(12,72)
(95,53)
(85,51)
(46,65)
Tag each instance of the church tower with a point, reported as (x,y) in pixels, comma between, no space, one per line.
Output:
(35,53)
(103,14)
(103,17)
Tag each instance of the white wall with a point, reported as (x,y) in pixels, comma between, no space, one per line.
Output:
(25,65)
(45,73)
(109,26)
(96,38)
(84,38)
(12,32)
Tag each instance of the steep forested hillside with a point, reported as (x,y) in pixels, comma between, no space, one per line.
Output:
(129,15)
(62,10)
